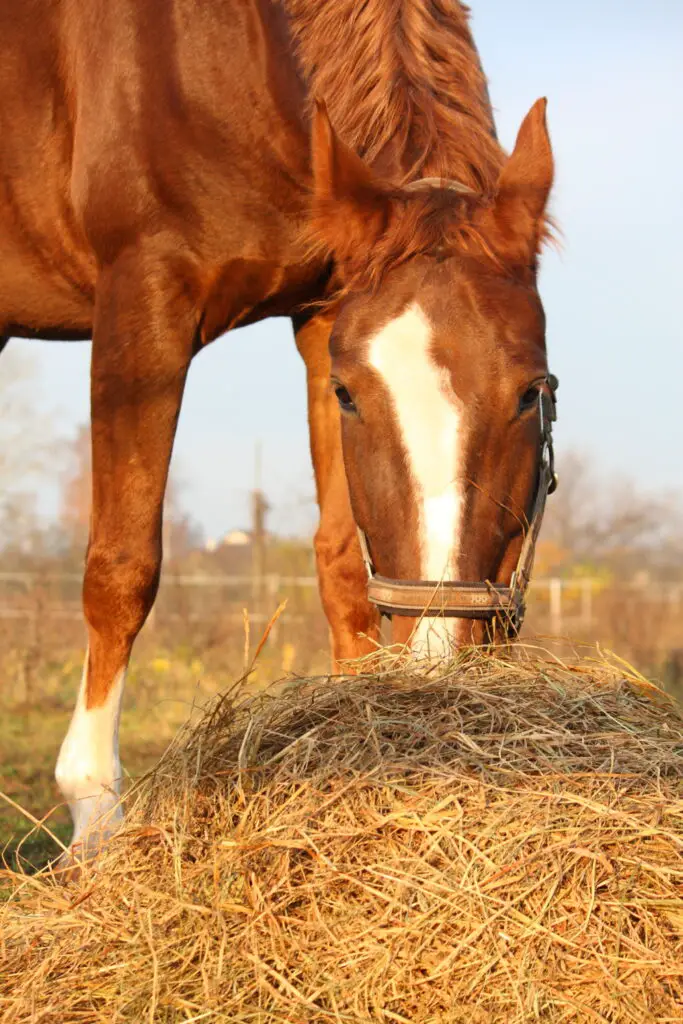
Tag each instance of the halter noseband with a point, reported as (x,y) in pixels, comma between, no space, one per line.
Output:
(481,600)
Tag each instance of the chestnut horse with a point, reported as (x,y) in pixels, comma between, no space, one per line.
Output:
(171,169)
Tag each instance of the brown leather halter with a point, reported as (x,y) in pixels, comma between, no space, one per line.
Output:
(480,600)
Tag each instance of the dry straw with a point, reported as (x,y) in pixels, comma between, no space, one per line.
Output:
(502,843)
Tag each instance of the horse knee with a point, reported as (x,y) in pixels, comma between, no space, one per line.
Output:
(323,550)
(334,546)
(119,590)
(341,574)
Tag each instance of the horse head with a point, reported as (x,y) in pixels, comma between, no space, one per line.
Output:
(438,362)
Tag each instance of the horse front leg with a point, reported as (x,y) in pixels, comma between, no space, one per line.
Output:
(142,345)
(342,577)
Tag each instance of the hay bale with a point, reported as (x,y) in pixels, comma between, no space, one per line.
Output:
(500,844)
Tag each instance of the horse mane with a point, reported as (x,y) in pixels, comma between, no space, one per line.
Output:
(402,76)
(434,223)
(404,89)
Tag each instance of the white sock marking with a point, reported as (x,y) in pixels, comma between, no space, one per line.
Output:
(88,768)
(429,420)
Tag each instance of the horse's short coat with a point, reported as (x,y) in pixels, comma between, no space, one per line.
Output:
(165,175)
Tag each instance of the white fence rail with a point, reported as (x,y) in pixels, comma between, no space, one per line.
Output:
(563,602)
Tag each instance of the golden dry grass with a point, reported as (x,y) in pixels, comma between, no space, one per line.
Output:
(501,843)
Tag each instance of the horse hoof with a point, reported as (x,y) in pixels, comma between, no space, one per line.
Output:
(81,854)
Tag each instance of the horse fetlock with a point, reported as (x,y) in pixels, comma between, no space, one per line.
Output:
(89,778)
(88,770)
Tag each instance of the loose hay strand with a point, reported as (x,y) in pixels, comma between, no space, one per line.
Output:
(498,843)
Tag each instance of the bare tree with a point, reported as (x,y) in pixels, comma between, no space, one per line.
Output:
(29,452)
(22,426)
(597,520)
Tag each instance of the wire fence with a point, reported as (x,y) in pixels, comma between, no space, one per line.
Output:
(556,604)
(213,620)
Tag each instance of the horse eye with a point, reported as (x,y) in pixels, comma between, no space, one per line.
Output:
(344,398)
(529,398)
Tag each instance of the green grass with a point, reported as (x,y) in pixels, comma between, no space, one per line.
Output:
(29,740)
(29,744)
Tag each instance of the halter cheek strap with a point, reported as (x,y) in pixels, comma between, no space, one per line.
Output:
(476,600)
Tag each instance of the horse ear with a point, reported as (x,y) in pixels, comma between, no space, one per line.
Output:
(350,206)
(523,189)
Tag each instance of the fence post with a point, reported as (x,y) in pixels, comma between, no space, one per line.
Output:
(586,603)
(555,596)
(273,583)
(259,508)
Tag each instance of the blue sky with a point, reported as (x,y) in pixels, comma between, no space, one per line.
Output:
(612,72)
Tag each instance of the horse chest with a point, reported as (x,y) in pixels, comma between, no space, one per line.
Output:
(246,290)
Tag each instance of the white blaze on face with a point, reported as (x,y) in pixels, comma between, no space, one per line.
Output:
(88,768)
(429,421)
